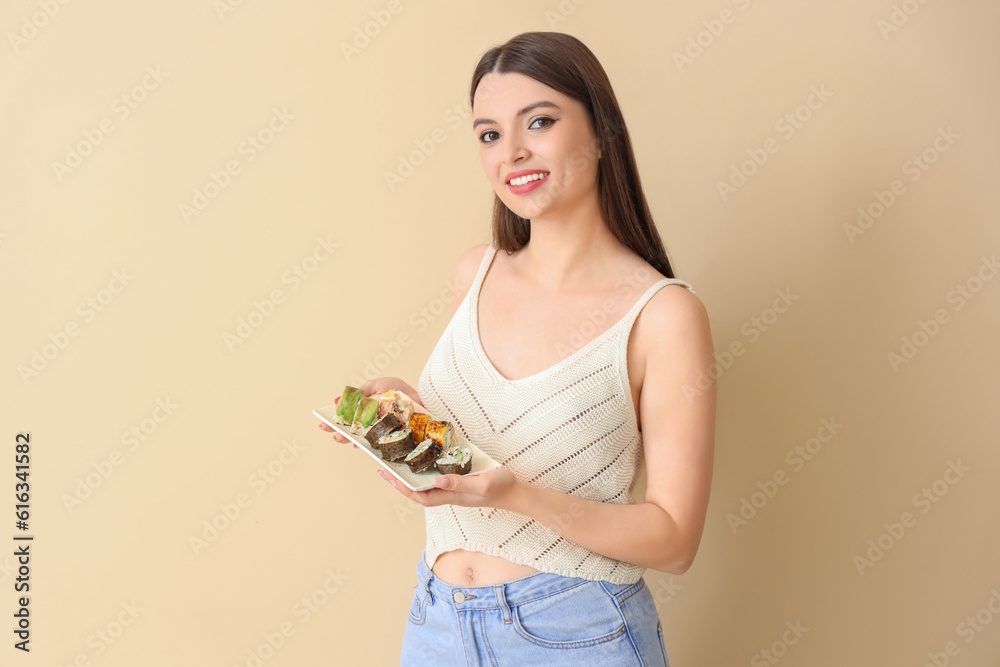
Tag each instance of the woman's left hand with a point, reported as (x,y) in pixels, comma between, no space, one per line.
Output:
(493,488)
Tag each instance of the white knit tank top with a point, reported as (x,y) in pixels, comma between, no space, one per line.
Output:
(570,427)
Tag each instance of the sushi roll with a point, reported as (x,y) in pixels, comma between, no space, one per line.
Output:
(418,423)
(396,445)
(365,414)
(382,426)
(348,404)
(423,456)
(455,462)
(443,433)
(396,402)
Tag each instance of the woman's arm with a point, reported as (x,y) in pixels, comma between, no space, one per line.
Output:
(678,426)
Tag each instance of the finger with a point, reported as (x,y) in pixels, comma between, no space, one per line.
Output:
(450,482)
(339,438)
(336,435)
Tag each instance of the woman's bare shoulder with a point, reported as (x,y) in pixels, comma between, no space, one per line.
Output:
(675,318)
(674,306)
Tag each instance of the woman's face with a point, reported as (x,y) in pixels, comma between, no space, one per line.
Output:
(525,127)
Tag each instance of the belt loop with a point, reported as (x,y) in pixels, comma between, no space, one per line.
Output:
(427,587)
(498,589)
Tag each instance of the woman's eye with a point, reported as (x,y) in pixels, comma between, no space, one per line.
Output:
(548,122)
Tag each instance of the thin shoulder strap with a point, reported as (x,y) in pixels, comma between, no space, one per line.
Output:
(484,266)
(629,318)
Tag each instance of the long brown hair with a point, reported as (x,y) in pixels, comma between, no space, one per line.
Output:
(564,63)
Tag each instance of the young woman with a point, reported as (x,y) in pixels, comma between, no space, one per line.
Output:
(574,358)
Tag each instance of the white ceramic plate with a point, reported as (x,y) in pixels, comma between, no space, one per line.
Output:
(416,481)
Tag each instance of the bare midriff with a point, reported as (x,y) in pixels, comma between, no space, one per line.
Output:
(460,567)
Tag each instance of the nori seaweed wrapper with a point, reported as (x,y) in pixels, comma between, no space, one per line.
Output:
(452,467)
(384,426)
(423,456)
(396,445)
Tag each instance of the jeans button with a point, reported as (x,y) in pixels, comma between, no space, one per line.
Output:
(459,597)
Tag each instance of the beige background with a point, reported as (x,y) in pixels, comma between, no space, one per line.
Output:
(124,538)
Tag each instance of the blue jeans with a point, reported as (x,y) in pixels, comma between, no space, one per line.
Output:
(541,619)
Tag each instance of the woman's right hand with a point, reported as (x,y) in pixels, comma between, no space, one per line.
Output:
(369,388)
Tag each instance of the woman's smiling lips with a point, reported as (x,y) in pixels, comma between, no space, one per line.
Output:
(527,180)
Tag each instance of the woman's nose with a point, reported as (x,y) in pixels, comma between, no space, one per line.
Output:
(515,150)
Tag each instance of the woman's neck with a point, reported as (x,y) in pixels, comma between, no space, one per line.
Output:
(568,249)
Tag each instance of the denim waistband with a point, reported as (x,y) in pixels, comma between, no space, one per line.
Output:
(509,593)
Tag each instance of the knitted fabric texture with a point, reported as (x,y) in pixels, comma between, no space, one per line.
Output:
(570,427)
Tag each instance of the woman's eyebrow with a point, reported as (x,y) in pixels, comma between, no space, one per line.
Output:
(530,107)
